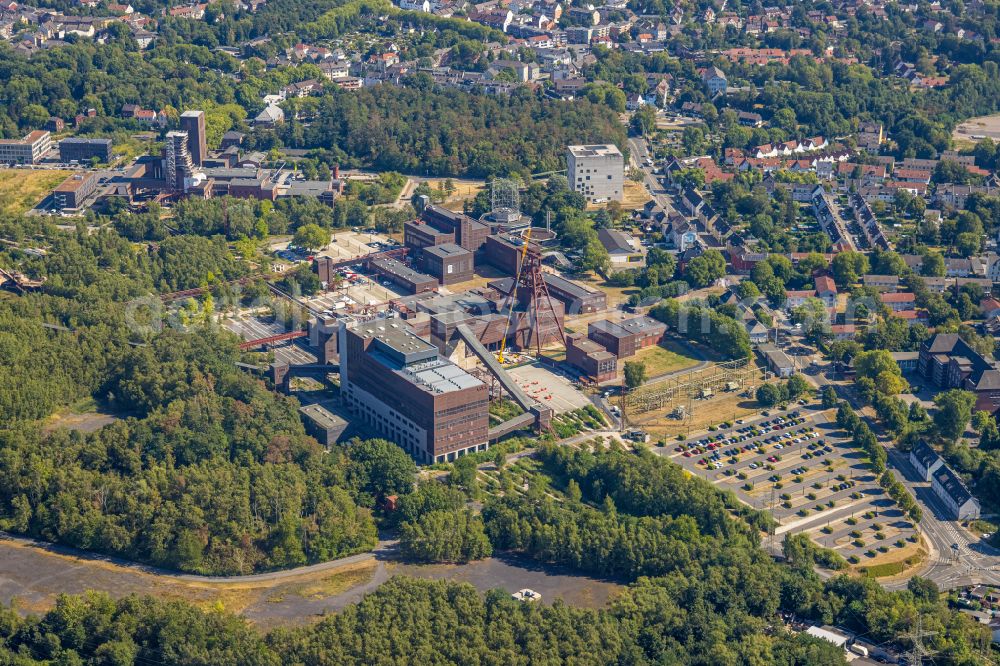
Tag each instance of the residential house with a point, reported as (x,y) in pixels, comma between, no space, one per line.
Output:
(950,489)
(925,460)
(271,116)
(826,290)
(624,250)
(714,80)
(898,301)
(794,299)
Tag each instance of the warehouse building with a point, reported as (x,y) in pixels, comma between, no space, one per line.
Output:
(777,361)
(593,360)
(469,234)
(625,338)
(73,191)
(504,252)
(83,150)
(397,383)
(418,235)
(399,273)
(449,263)
(623,249)
(578,298)
(325,425)
(575,297)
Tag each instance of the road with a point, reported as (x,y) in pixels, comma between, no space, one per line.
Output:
(956,558)
(639,149)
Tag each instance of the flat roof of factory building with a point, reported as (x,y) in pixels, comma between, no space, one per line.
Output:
(401,270)
(323,417)
(73,183)
(415,359)
(308,188)
(442,376)
(622,329)
(395,335)
(227,173)
(596,150)
(591,348)
(76,140)
(446,250)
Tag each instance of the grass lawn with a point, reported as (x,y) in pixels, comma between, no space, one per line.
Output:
(21,189)
(666,357)
(615,295)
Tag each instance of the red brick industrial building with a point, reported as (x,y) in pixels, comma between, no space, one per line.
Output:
(398,384)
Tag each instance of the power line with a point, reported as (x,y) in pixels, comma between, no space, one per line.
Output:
(918,651)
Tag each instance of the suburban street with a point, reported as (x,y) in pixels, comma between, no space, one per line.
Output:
(956,558)
(639,152)
(972,562)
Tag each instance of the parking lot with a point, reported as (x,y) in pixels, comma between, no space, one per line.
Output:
(360,291)
(801,468)
(352,244)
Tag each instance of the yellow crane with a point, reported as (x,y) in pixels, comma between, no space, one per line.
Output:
(513,291)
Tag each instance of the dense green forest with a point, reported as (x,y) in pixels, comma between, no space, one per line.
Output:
(206,469)
(420,129)
(92,281)
(628,515)
(405,621)
(716,601)
(213,474)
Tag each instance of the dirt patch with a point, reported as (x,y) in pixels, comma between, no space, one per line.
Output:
(324,586)
(31,578)
(464,190)
(974,130)
(512,574)
(34,577)
(636,195)
(83,416)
